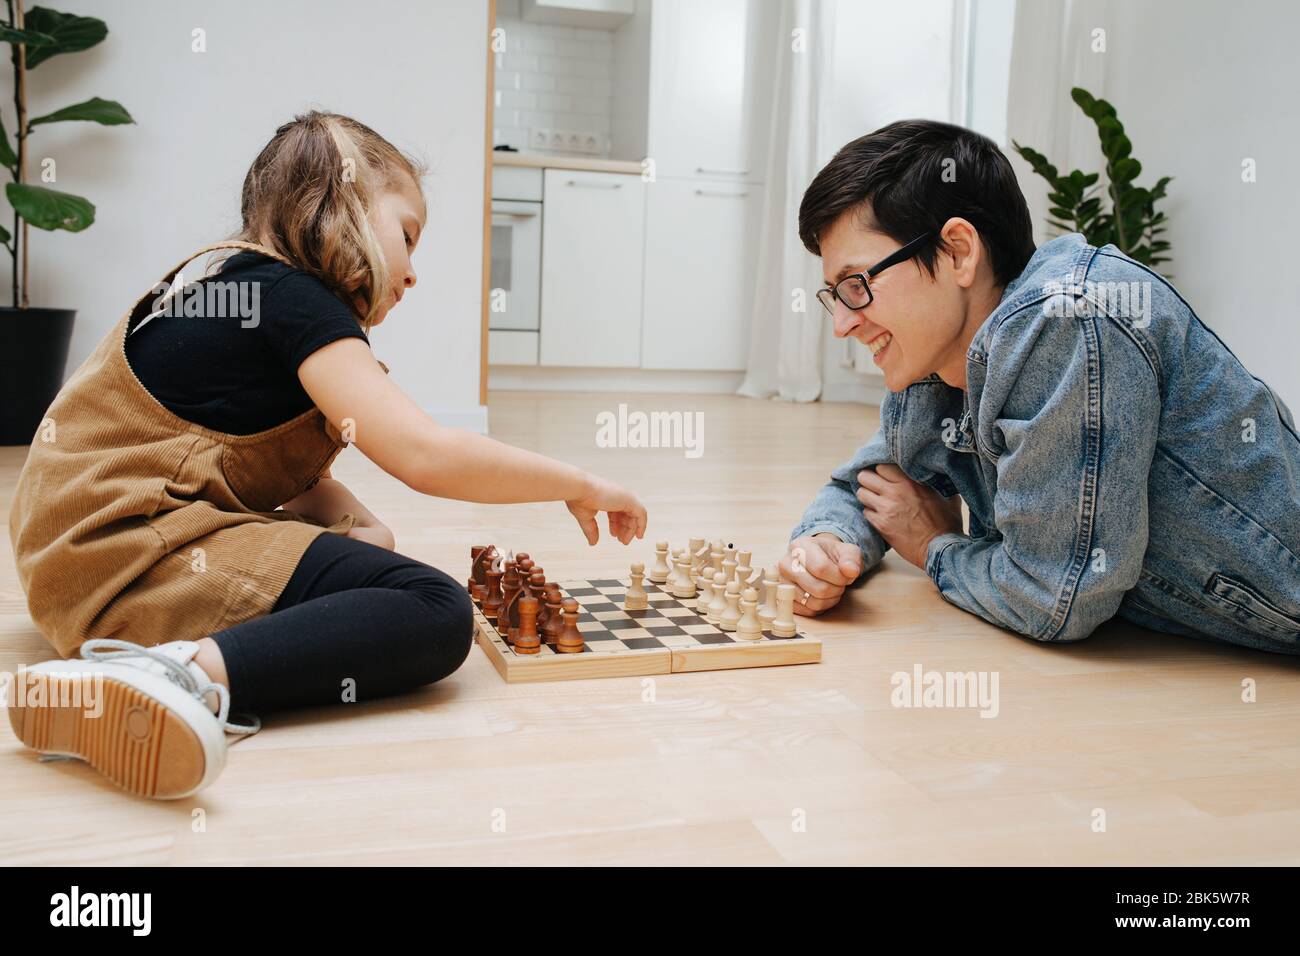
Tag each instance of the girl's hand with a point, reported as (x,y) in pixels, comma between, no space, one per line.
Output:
(907,514)
(627,517)
(375,534)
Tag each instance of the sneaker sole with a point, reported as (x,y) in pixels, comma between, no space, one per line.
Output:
(137,741)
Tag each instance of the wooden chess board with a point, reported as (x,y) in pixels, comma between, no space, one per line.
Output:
(668,637)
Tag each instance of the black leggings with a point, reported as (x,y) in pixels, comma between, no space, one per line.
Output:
(352,611)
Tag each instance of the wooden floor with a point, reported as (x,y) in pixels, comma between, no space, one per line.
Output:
(807,764)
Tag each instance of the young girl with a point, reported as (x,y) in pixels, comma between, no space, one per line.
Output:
(176,523)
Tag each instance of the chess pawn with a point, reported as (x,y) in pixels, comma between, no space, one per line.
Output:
(784,625)
(659,573)
(635,599)
(477,593)
(537,588)
(719,603)
(706,592)
(527,641)
(730,616)
(554,614)
(570,640)
(684,587)
(767,610)
(748,627)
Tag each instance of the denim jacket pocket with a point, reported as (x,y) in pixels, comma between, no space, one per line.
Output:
(1250,608)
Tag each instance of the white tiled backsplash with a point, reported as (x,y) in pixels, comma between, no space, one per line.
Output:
(554,79)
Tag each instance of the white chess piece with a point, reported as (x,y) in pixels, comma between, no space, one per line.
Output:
(719,604)
(784,625)
(748,627)
(731,616)
(659,573)
(767,610)
(635,599)
(685,584)
(729,565)
(706,593)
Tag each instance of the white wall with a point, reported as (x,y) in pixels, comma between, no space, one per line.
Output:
(416,73)
(1199,86)
(892,62)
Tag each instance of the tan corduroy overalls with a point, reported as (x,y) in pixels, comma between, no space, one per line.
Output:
(131,522)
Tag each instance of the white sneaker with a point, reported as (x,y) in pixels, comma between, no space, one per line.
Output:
(139,715)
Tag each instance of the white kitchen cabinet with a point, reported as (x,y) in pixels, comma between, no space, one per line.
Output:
(700,252)
(592,266)
(710,88)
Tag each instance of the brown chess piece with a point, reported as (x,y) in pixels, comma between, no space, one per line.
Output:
(570,640)
(537,588)
(475,552)
(526,640)
(492,599)
(482,557)
(554,614)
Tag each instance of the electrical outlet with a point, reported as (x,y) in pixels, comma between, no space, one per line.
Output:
(541,138)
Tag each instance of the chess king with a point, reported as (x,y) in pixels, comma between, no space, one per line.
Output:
(1116,459)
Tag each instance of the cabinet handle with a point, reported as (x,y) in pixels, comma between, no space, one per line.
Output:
(721,172)
(574,182)
(713,192)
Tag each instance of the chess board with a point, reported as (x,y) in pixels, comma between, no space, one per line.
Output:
(668,637)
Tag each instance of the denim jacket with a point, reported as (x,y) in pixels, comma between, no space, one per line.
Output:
(1115,457)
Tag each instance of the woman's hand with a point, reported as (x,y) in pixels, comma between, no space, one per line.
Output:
(627,517)
(820,566)
(907,514)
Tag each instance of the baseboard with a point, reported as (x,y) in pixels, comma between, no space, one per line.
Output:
(866,393)
(527,378)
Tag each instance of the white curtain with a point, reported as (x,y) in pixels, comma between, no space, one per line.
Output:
(785,345)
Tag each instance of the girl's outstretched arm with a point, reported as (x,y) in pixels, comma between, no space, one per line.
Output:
(355,394)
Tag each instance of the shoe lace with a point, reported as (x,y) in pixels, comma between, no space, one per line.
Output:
(107,648)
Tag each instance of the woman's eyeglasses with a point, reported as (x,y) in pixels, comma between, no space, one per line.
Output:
(855,291)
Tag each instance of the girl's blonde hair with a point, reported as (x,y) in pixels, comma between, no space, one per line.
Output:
(308,194)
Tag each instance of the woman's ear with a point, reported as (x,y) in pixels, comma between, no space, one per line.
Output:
(962,243)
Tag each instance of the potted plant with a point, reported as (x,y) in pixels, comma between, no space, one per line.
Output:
(34,341)
(1131,222)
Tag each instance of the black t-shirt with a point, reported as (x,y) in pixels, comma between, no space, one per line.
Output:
(228,372)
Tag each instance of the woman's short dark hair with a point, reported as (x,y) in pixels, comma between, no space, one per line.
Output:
(912,176)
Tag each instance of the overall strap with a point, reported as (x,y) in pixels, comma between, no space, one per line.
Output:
(172,273)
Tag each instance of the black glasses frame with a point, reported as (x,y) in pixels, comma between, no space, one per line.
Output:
(902,255)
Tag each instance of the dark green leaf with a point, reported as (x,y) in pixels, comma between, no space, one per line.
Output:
(4,235)
(7,155)
(95,110)
(50,209)
(69,33)
(30,37)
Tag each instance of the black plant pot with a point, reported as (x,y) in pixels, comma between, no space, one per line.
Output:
(33,352)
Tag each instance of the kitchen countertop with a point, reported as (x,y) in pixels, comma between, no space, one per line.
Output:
(589,164)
